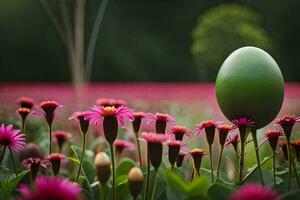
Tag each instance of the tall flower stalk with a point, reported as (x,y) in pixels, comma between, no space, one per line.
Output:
(136,124)
(154,156)
(84,126)
(109,118)
(244,126)
(287,123)
(49,108)
(254,137)
(209,127)
(223,132)
(273,136)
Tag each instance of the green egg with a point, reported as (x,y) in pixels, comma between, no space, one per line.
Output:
(250,84)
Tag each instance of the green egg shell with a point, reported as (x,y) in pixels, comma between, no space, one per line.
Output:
(250,84)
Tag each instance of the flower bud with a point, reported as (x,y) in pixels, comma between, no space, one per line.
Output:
(135,181)
(103,167)
(197,155)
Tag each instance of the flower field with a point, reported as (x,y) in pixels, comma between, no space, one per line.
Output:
(142,141)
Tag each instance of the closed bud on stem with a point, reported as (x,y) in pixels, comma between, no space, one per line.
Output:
(55,159)
(135,181)
(103,167)
(197,155)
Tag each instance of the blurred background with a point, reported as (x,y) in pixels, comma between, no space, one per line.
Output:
(165,41)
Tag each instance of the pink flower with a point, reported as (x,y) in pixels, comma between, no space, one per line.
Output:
(29,162)
(197,155)
(136,123)
(25,102)
(206,125)
(50,188)
(254,191)
(223,132)
(287,123)
(272,137)
(243,121)
(109,118)
(209,127)
(61,137)
(49,108)
(98,113)
(174,150)
(120,145)
(154,146)
(34,164)
(55,159)
(84,123)
(296,145)
(179,132)
(11,138)
(161,121)
(23,112)
(234,140)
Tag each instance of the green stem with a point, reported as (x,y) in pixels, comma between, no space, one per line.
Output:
(13,160)
(82,155)
(23,125)
(241,161)
(139,149)
(296,174)
(211,163)
(219,162)
(154,184)
(2,156)
(274,168)
(254,137)
(102,192)
(113,170)
(148,176)
(50,139)
(290,163)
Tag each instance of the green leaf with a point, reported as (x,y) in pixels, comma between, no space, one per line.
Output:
(176,187)
(219,191)
(124,166)
(9,183)
(88,172)
(198,188)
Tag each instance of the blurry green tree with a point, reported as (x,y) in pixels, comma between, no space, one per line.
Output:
(222,30)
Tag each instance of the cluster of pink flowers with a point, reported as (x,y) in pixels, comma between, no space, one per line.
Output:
(109,115)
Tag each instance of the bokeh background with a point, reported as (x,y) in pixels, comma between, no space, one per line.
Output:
(165,41)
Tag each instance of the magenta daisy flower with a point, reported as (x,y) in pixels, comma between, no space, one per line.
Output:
(197,155)
(120,145)
(109,118)
(61,137)
(34,165)
(55,159)
(209,127)
(84,123)
(154,147)
(23,112)
(233,140)
(49,108)
(223,132)
(287,123)
(51,188)
(174,150)
(136,123)
(161,121)
(179,132)
(11,138)
(272,136)
(25,102)
(254,191)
